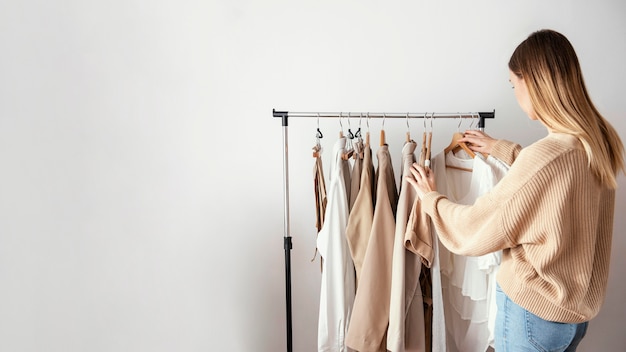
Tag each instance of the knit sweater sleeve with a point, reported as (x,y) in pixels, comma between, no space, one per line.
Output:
(510,213)
(467,229)
(475,229)
(506,151)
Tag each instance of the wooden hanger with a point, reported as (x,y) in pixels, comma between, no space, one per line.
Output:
(423,150)
(429,140)
(349,152)
(428,149)
(317,151)
(382,133)
(455,145)
(367,134)
(408,129)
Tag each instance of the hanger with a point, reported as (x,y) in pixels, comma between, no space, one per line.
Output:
(429,140)
(349,150)
(408,129)
(359,141)
(475,118)
(382,132)
(455,144)
(317,149)
(367,134)
(341,125)
(422,159)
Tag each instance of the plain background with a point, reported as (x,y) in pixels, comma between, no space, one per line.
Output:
(141,180)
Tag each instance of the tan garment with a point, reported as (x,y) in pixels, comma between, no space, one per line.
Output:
(370,314)
(357,167)
(362,213)
(406,312)
(319,186)
(419,241)
(418,238)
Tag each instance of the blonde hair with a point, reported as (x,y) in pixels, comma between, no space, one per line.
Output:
(547,62)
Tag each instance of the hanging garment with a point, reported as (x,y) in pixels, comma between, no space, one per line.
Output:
(418,240)
(338,279)
(319,189)
(421,240)
(357,167)
(362,214)
(467,283)
(370,315)
(420,223)
(347,170)
(406,331)
(319,186)
(426,286)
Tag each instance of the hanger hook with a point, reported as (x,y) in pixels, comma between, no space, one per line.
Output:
(319,134)
(407,122)
(458,127)
(350,134)
(432,117)
(384,116)
(340,122)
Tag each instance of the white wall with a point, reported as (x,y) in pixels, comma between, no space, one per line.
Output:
(141,169)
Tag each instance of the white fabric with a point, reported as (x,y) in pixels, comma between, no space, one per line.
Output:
(467,283)
(338,278)
(406,304)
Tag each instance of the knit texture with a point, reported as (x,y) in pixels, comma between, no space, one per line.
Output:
(552,219)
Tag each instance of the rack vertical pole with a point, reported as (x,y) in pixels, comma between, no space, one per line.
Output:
(287,237)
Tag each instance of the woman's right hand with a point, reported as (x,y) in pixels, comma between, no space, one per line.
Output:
(478,141)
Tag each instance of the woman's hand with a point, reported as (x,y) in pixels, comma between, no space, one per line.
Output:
(422,179)
(478,141)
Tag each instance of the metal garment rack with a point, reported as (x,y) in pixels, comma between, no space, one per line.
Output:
(284,115)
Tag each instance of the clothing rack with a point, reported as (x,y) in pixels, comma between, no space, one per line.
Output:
(284,115)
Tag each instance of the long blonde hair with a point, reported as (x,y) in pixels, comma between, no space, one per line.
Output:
(547,62)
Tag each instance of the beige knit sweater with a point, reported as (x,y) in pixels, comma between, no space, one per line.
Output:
(552,219)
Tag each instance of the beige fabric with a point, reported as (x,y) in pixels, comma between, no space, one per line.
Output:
(370,315)
(357,167)
(418,238)
(362,213)
(406,331)
(319,188)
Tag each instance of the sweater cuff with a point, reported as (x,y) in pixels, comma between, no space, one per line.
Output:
(429,201)
(505,151)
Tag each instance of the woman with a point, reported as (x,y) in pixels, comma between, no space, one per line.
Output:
(552,214)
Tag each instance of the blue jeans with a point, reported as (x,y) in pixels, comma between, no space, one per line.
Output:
(520,330)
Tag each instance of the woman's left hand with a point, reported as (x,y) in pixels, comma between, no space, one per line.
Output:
(422,179)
